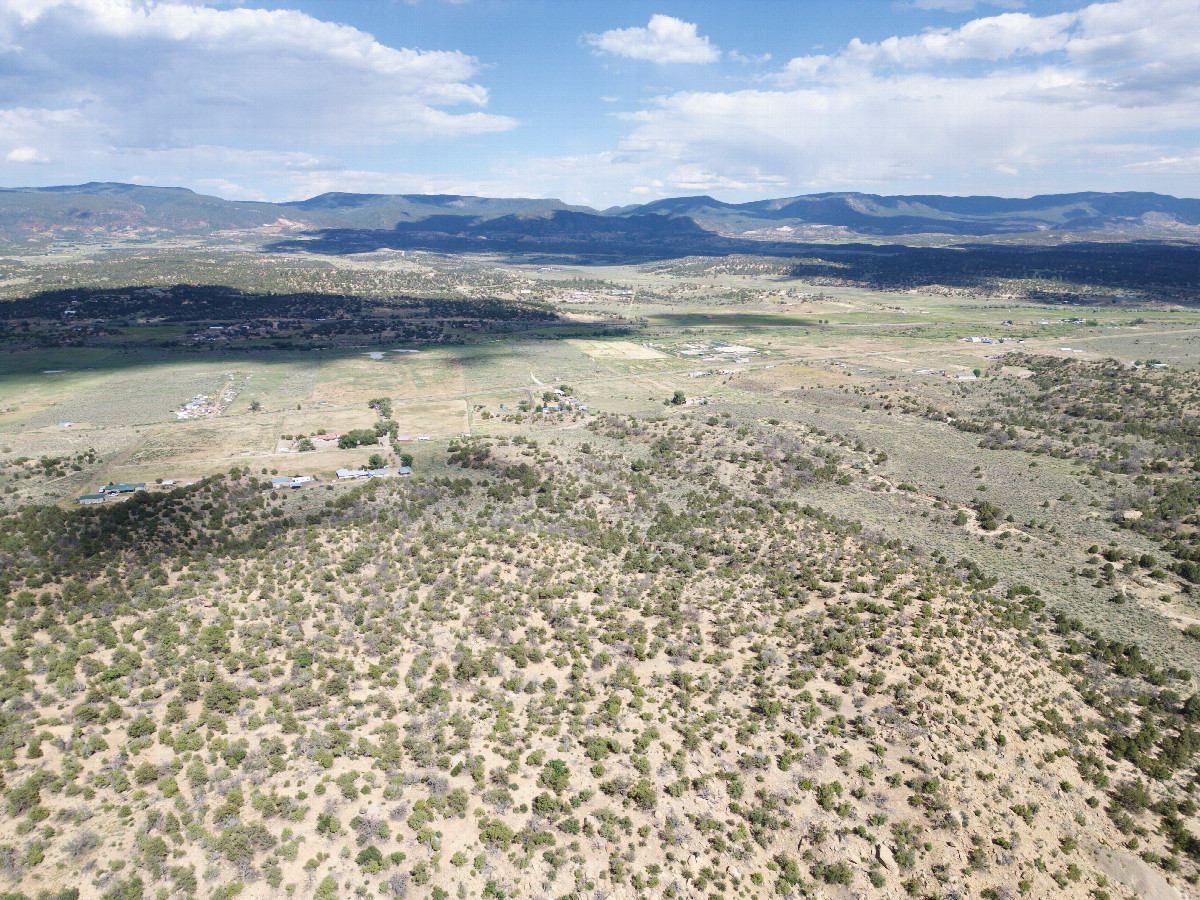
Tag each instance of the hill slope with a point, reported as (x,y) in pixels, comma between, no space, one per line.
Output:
(585,691)
(105,209)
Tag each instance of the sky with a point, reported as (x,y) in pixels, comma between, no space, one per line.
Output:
(603,103)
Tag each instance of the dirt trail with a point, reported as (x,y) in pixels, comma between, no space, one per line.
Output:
(101,476)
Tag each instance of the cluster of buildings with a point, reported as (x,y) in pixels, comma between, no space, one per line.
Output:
(118,491)
(290,481)
(718,350)
(347,474)
(205,405)
(562,401)
(708,372)
(328,441)
(961,376)
(200,405)
(976,339)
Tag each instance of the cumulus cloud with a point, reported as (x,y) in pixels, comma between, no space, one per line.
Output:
(1154,36)
(990,39)
(1078,100)
(665,40)
(25,155)
(111,76)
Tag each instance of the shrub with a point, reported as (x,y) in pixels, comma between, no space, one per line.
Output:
(370,858)
(496,833)
(555,776)
(327,889)
(223,697)
(126,890)
(142,726)
(643,794)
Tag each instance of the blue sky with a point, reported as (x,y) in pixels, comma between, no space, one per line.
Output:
(603,103)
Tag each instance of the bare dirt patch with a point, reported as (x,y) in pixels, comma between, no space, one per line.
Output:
(615,349)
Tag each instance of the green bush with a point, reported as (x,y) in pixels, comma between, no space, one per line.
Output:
(555,776)
(370,858)
(142,726)
(223,697)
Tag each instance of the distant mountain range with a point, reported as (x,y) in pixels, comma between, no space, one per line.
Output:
(369,221)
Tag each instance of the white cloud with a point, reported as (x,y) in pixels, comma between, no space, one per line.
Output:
(92,79)
(665,40)
(1186,163)
(990,39)
(25,155)
(738,57)
(1013,101)
(1139,40)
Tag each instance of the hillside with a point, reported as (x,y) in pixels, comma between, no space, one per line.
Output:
(872,214)
(99,210)
(663,680)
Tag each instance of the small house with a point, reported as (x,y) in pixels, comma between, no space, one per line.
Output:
(90,499)
(364,473)
(122,487)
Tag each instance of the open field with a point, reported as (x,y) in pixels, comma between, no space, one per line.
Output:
(615,350)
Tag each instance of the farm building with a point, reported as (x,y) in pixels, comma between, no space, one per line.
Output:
(290,481)
(89,499)
(332,438)
(122,488)
(364,473)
